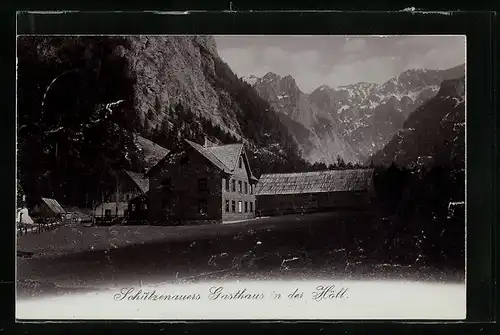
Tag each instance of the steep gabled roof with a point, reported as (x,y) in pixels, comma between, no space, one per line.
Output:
(228,154)
(152,152)
(248,165)
(209,155)
(314,182)
(225,157)
(54,206)
(142,196)
(140,180)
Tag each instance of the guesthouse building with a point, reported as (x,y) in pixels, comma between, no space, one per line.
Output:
(202,183)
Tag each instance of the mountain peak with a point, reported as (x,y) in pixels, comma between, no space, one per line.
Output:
(412,80)
(271,75)
(289,81)
(357,119)
(250,80)
(414,70)
(276,85)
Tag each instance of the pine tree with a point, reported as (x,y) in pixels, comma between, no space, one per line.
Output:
(341,163)
(60,162)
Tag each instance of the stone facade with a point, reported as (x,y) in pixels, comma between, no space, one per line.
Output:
(189,190)
(237,191)
(189,187)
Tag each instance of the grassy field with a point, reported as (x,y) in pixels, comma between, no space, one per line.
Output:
(77,238)
(305,246)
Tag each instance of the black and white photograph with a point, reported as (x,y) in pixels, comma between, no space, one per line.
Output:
(205,177)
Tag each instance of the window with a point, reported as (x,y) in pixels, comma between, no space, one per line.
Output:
(246,188)
(227,184)
(251,206)
(240,186)
(107,212)
(133,207)
(239,207)
(234,185)
(202,184)
(241,163)
(251,189)
(233,206)
(227,205)
(144,207)
(246,206)
(202,206)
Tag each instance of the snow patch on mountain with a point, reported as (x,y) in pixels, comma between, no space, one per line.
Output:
(250,80)
(343,108)
(363,116)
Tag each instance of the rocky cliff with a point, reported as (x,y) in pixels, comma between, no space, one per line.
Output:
(433,135)
(165,88)
(312,127)
(173,70)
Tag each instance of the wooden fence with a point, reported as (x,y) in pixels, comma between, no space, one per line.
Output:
(37,228)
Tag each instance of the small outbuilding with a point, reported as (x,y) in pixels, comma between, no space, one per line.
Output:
(23,217)
(128,186)
(48,210)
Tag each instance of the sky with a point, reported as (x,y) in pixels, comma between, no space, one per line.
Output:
(338,60)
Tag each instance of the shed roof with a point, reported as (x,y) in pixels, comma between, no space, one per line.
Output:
(54,206)
(152,152)
(140,197)
(140,180)
(79,210)
(314,182)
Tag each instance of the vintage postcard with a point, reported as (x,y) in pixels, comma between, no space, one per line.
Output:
(182,177)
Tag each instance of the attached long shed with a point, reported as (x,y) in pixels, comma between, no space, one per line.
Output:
(284,193)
